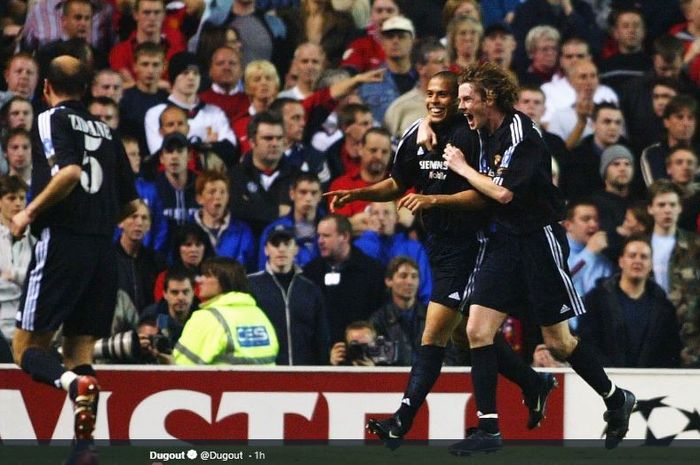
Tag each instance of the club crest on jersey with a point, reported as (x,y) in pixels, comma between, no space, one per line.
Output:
(497,159)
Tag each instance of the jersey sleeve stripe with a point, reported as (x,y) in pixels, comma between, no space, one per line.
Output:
(44,123)
(407,133)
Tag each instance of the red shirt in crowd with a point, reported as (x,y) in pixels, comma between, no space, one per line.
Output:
(122,54)
(363,54)
(350,181)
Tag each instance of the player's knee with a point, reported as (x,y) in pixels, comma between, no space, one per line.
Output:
(479,335)
(435,337)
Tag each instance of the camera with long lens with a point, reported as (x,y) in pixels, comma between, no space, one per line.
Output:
(380,352)
(121,347)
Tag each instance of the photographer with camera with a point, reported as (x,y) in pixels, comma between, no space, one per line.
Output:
(162,323)
(159,327)
(402,318)
(362,347)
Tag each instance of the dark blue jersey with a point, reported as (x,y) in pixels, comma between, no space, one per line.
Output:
(426,171)
(68,135)
(516,157)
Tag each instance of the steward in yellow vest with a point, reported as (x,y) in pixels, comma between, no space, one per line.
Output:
(229,328)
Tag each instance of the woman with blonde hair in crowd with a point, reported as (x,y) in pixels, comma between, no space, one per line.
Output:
(464,35)
(262,84)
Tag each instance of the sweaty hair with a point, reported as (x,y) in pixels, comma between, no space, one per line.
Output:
(230,274)
(490,80)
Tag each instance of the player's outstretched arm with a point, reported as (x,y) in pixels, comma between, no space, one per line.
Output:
(469,200)
(61,184)
(457,163)
(383,191)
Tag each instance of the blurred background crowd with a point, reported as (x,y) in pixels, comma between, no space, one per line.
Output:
(236,115)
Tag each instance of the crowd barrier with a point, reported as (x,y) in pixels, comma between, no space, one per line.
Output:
(328,403)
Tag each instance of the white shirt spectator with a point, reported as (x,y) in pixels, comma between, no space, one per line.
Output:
(560,94)
(202,118)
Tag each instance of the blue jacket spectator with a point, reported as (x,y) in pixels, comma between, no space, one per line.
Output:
(383,243)
(293,303)
(228,236)
(307,208)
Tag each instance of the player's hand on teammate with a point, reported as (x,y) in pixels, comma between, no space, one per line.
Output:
(455,160)
(416,202)
(426,136)
(338,199)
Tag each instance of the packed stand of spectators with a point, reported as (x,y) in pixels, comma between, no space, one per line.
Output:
(237,115)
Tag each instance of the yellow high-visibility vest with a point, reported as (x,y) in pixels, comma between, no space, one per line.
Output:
(227,330)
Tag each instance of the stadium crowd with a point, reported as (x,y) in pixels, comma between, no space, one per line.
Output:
(237,115)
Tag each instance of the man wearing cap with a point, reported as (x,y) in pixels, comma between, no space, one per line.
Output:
(397,40)
(207,122)
(617,171)
(175,185)
(292,302)
(429,57)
